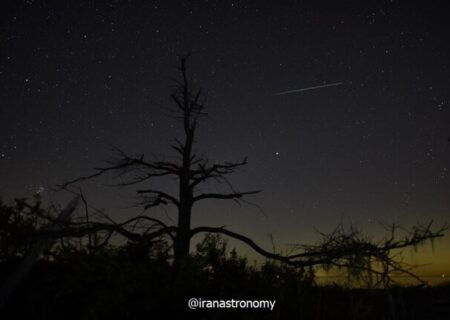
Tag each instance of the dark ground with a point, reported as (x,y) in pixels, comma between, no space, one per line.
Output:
(124,283)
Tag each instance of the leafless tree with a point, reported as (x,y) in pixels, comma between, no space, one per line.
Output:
(190,169)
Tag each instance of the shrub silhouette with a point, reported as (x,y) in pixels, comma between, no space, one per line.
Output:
(134,279)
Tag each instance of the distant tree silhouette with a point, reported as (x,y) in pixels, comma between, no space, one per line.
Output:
(343,248)
(18,224)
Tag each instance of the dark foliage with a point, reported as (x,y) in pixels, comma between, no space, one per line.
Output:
(18,222)
(136,279)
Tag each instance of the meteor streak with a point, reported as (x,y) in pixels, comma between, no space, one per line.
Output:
(307,89)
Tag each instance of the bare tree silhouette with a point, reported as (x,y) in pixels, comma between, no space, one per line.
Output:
(190,170)
(342,248)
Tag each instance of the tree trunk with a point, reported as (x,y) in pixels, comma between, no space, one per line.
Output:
(183,236)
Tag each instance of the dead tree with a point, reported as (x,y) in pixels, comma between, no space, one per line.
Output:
(341,248)
(190,171)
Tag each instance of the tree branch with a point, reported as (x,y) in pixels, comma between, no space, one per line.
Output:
(348,249)
(126,163)
(159,199)
(217,170)
(242,238)
(224,196)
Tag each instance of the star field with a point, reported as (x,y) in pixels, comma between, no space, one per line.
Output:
(77,77)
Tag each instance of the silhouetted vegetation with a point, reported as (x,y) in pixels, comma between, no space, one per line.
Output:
(73,269)
(136,278)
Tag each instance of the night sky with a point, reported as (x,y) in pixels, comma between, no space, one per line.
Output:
(79,76)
